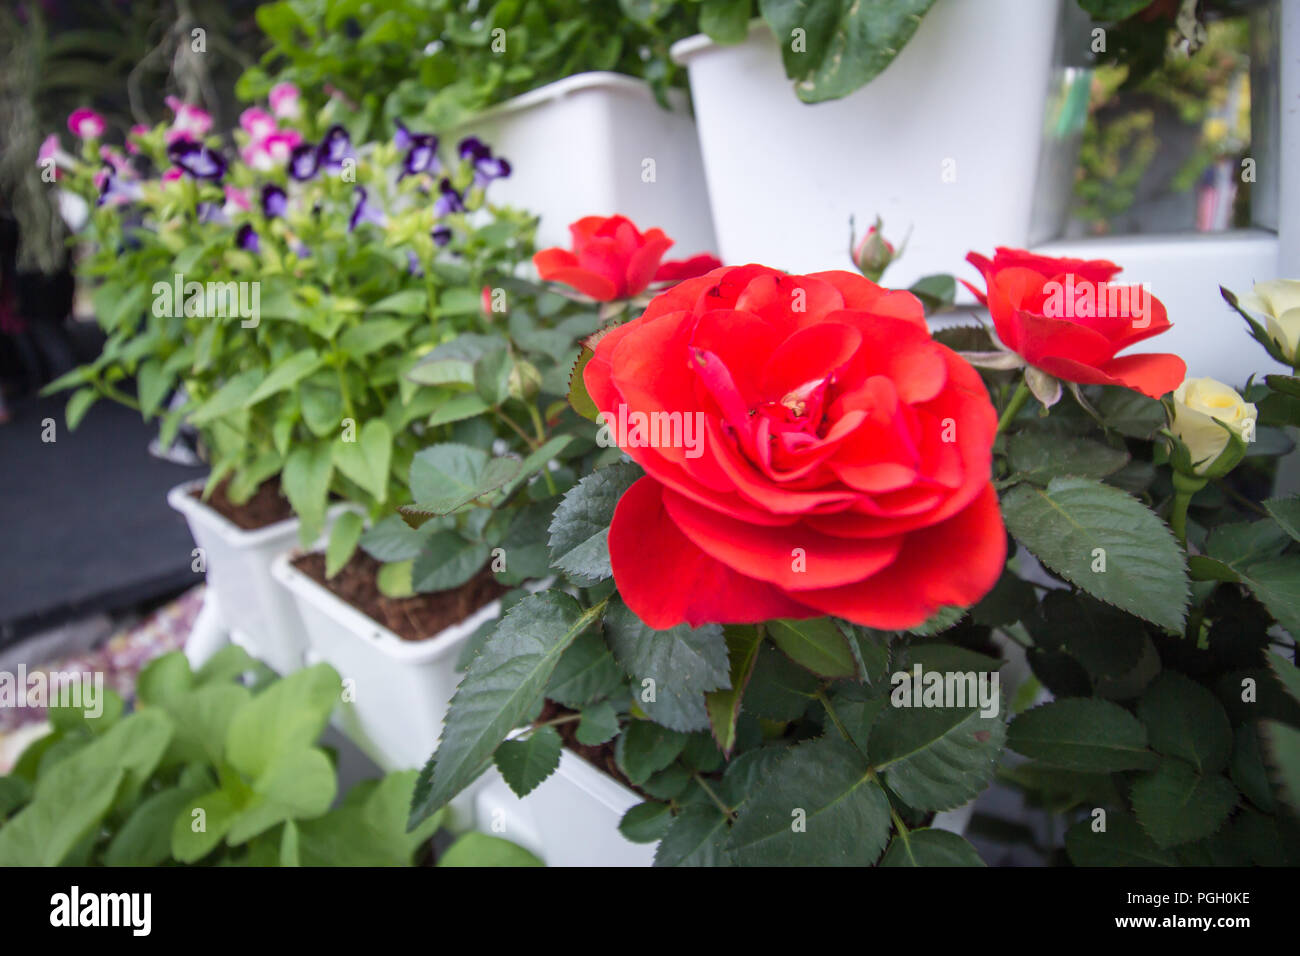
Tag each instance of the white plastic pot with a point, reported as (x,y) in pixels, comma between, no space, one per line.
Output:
(596,144)
(250,608)
(399,689)
(571,819)
(944,142)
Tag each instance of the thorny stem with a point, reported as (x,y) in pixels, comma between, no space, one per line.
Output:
(726,810)
(541,440)
(1178,517)
(1017,402)
(1241,499)
(514,425)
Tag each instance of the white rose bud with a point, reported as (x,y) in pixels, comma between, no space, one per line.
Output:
(1278,300)
(1198,404)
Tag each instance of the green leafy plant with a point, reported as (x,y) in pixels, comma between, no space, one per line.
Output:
(438,61)
(328,288)
(205,770)
(1151,602)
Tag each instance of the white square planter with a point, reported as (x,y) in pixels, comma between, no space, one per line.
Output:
(586,146)
(252,610)
(944,142)
(400,689)
(571,819)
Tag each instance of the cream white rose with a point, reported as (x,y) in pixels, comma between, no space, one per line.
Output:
(1198,404)
(1278,301)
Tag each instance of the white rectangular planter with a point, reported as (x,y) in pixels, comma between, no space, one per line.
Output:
(400,689)
(571,819)
(945,142)
(596,144)
(256,613)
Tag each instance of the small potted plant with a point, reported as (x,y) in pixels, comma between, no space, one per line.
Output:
(758,671)
(580,94)
(249,298)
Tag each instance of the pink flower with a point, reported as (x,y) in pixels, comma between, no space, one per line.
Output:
(49,147)
(284,101)
(138,130)
(190,123)
(236,201)
(257,123)
(272,150)
(117,161)
(172,174)
(86,123)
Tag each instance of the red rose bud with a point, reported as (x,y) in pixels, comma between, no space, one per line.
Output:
(1066,318)
(809,450)
(874,253)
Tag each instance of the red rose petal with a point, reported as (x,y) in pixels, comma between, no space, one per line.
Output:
(954,563)
(666,579)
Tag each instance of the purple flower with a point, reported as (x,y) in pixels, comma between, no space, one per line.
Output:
(422,156)
(196,159)
(402,138)
(303,162)
(448,201)
(114,189)
(364,211)
(211,212)
(246,239)
(334,148)
(441,235)
(274,201)
(413,264)
(486,166)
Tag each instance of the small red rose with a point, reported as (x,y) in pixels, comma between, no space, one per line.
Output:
(1065,317)
(830,456)
(612,259)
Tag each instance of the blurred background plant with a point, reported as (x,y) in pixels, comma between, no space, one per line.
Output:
(1169,122)
(122,58)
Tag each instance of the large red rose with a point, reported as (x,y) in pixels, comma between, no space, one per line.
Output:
(844,460)
(1066,317)
(612,259)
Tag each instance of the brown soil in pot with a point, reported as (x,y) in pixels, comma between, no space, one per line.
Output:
(415,618)
(268,505)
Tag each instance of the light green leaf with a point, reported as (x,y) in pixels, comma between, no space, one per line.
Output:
(343,542)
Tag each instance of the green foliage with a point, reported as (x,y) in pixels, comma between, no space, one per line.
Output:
(202,771)
(435,62)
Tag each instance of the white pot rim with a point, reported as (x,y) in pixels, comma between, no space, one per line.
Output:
(369,631)
(578,83)
(683,50)
(180,499)
(593,781)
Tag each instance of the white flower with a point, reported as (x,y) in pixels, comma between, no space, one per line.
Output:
(1278,300)
(1198,404)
